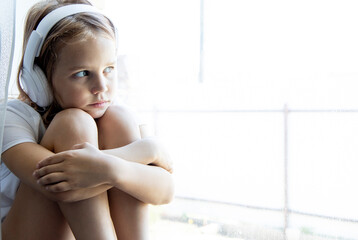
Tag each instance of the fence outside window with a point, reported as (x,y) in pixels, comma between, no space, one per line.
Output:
(296,212)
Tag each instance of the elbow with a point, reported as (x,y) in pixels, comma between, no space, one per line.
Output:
(163,200)
(168,194)
(168,199)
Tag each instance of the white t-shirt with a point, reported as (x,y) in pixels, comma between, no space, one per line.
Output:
(22,124)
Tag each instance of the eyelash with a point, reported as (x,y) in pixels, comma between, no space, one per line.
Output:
(111,69)
(77,75)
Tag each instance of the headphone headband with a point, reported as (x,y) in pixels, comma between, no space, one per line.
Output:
(33,81)
(38,36)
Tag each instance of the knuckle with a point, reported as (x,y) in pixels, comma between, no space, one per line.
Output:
(47,180)
(56,188)
(73,185)
(42,171)
(69,154)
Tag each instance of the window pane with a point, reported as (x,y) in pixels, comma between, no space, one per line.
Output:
(276,52)
(160,39)
(258,55)
(322,168)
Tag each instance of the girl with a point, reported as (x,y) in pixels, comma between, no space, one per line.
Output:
(78,167)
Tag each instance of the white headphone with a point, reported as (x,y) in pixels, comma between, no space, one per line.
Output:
(33,80)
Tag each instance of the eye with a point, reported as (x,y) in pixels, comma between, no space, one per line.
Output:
(108,69)
(82,74)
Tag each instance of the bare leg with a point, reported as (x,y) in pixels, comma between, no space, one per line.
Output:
(34,217)
(129,215)
(90,218)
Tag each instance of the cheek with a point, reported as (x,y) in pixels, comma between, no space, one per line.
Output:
(69,97)
(112,87)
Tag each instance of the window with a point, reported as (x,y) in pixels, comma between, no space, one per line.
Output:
(256,100)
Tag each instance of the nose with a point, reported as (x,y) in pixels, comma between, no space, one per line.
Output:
(99,84)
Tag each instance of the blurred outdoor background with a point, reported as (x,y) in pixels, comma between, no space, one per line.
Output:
(257,103)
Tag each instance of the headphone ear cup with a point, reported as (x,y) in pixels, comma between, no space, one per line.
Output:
(35,85)
(43,92)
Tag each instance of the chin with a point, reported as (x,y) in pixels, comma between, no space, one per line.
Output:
(97,114)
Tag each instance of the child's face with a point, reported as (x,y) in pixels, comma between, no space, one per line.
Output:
(85,75)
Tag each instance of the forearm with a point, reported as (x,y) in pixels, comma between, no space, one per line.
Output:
(82,194)
(149,184)
(142,151)
(22,160)
(147,151)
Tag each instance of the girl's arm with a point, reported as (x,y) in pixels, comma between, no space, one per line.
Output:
(150,184)
(22,160)
(87,167)
(145,151)
(121,136)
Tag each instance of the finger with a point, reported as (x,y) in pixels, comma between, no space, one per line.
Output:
(168,166)
(170,169)
(38,173)
(57,158)
(51,178)
(58,187)
(79,146)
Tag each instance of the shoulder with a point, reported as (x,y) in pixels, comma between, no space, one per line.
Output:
(22,124)
(21,109)
(20,113)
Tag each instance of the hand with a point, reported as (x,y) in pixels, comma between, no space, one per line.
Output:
(82,167)
(148,151)
(163,158)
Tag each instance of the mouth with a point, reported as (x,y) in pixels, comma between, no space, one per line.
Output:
(99,104)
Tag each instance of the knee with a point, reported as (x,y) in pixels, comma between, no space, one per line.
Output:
(115,115)
(73,118)
(70,126)
(117,127)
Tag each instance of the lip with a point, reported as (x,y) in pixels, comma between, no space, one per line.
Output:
(99,104)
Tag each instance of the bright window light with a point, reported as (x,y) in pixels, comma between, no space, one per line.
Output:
(257,103)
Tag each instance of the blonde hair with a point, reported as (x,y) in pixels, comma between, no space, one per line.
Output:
(73,28)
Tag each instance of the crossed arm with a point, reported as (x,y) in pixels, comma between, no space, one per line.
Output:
(142,169)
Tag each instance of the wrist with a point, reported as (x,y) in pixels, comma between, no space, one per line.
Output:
(114,166)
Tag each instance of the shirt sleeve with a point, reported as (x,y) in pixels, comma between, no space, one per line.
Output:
(22,124)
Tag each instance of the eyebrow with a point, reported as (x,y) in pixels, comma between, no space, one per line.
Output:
(84,67)
(76,68)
